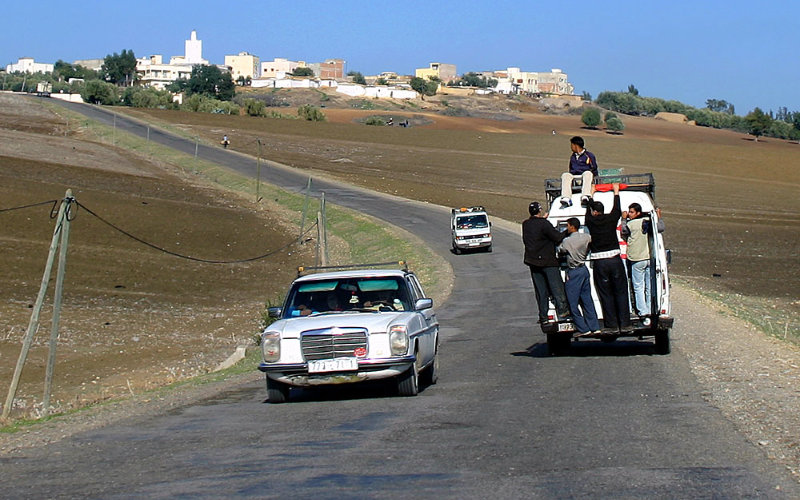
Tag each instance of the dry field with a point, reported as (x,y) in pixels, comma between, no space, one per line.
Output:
(134,318)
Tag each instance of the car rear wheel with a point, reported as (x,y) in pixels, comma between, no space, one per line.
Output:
(408,381)
(277,392)
(558,343)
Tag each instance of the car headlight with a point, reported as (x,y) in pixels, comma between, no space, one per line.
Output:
(271,346)
(398,340)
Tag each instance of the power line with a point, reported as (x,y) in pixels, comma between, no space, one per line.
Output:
(49,202)
(188,257)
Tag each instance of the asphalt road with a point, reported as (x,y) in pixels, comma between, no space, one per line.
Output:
(505,420)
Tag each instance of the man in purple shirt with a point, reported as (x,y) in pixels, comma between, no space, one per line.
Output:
(581,163)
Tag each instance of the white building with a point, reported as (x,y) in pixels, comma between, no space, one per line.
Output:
(535,82)
(279,67)
(153,72)
(28,65)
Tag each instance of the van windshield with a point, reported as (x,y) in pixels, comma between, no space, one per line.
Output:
(472,221)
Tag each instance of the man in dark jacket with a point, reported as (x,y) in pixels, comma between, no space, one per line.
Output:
(540,239)
(610,279)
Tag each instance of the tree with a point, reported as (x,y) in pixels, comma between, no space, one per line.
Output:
(357,77)
(120,69)
(720,106)
(586,96)
(633,90)
(208,81)
(381,81)
(758,122)
(615,125)
(99,92)
(424,87)
(302,71)
(609,115)
(591,118)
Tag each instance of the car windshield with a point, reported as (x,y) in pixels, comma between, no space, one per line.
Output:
(472,221)
(347,294)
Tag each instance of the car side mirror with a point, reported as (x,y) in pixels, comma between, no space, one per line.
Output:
(274,312)
(422,304)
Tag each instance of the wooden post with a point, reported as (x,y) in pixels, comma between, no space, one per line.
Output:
(319,261)
(324,222)
(258,172)
(62,262)
(33,324)
(305,209)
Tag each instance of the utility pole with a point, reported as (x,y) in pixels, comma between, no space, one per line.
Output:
(62,221)
(305,209)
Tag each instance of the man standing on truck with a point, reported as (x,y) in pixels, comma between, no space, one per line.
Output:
(579,293)
(581,163)
(636,230)
(610,279)
(540,239)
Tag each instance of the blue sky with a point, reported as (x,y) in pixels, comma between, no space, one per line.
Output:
(743,52)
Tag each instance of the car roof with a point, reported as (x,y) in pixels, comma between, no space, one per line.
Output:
(357,273)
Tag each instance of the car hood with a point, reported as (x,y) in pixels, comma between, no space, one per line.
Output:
(374,322)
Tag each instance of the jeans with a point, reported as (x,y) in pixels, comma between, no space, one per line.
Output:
(640,278)
(611,284)
(579,296)
(547,283)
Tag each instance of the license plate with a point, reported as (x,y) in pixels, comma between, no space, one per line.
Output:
(565,327)
(333,365)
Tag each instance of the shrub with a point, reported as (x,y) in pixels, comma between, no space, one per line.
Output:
(254,107)
(311,113)
(375,120)
(591,118)
(614,124)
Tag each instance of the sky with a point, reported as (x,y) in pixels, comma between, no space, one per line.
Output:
(742,52)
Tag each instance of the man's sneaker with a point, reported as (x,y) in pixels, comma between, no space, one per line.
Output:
(585,200)
(566,202)
(646,322)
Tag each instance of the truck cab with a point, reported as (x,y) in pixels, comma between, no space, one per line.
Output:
(638,188)
(471,229)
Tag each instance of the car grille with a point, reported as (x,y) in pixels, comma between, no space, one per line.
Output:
(329,343)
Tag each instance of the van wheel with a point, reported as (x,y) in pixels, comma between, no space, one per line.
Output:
(456,250)
(662,342)
(489,248)
(277,392)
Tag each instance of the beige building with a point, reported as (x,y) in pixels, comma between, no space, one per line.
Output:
(444,72)
(243,65)
(153,72)
(279,67)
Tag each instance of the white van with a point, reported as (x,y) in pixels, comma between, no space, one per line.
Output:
(471,229)
(634,188)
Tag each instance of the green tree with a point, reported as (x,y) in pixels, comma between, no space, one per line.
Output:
(254,107)
(303,71)
(609,115)
(208,81)
(357,77)
(615,125)
(758,123)
(100,92)
(381,81)
(586,96)
(633,90)
(591,117)
(720,106)
(424,87)
(120,69)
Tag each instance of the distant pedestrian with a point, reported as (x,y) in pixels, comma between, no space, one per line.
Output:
(636,230)
(610,280)
(540,239)
(225,141)
(579,291)
(581,163)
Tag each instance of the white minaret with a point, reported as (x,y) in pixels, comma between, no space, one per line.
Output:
(194,50)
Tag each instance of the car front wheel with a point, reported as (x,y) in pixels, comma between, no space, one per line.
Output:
(408,381)
(277,392)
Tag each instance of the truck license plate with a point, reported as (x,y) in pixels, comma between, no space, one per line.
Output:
(565,327)
(333,365)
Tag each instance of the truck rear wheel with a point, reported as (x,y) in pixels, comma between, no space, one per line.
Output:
(662,342)
(558,343)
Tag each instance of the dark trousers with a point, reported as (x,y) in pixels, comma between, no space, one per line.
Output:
(547,283)
(579,295)
(611,284)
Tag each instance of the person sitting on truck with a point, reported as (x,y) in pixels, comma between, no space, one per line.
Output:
(581,163)
(540,239)
(610,279)
(579,292)
(635,230)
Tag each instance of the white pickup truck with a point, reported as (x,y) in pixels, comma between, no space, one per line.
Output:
(634,188)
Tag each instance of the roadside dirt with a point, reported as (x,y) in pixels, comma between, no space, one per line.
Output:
(731,221)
